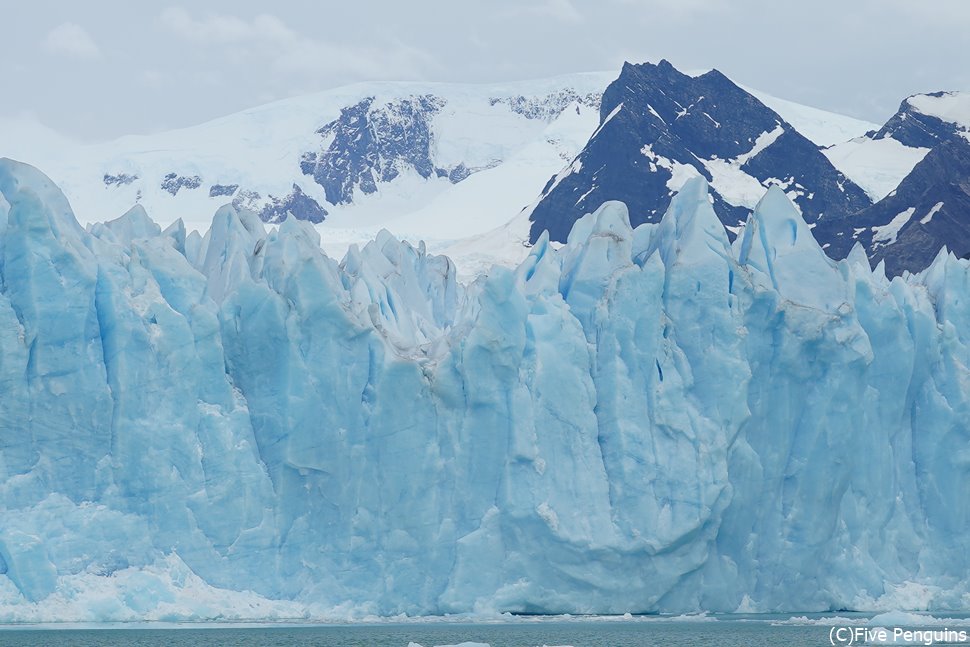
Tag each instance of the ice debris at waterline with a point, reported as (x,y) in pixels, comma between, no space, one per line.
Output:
(644,420)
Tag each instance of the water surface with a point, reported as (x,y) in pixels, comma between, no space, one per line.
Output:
(733,632)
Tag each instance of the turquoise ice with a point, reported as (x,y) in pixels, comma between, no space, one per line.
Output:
(641,420)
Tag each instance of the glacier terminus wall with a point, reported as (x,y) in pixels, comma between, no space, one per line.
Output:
(643,420)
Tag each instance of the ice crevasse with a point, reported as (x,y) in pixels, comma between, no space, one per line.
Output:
(644,420)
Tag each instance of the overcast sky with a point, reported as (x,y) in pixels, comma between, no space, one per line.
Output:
(104,68)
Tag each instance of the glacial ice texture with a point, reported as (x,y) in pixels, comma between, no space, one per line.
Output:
(643,420)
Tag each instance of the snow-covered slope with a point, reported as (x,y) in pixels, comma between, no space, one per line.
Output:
(876,165)
(879,161)
(821,126)
(644,420)
(485,201)
(382,151)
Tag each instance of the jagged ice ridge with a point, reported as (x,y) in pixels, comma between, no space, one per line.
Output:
(649,419)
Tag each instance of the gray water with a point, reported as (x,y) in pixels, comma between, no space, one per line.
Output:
(735,632)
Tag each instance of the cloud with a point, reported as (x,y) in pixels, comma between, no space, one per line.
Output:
(70,39)
(224,29)
(268,38)
(150,79)
(561,10)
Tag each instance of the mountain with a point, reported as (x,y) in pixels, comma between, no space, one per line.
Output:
(926,212)
(462,167)
(659,127)
(925,120)
(646,419)
(879,160)
(918,166)
(449,164)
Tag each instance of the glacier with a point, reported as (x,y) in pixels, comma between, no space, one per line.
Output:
(655,419)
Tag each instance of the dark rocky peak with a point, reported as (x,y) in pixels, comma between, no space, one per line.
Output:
(659,126)
(173,182)
(914,128)
(370,143)
(119,179)
(217,190)
(717,117)
(297,204)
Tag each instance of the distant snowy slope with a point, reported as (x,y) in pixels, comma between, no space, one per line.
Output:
(927,119)
(363,154)
(475,221)
(877,165)
(822,127)
(948,107)
(23,137)
(879,162)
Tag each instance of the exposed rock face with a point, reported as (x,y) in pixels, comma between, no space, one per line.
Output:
(370,144)
(296,204)
(173,182)
(222,189)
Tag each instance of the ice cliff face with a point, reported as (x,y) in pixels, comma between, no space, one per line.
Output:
(646,419)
